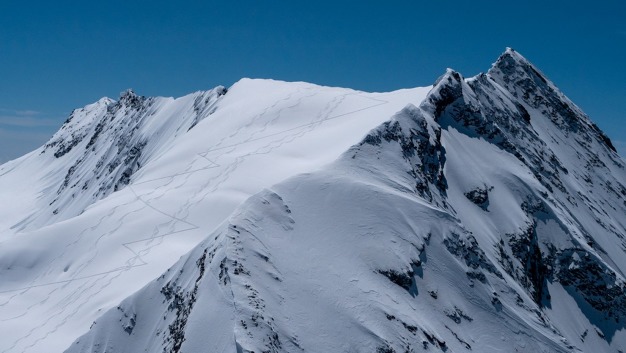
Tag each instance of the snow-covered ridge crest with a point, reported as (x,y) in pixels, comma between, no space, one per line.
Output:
(187,182)
(488,217)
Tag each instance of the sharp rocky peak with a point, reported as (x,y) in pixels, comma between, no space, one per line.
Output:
(131,99)
(446,89)
(528,84)
(449,77)
(528,89)
(511,56)
(128,94)
(513,71)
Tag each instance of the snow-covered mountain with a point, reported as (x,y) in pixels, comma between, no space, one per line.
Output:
(483,214)
(71,246)
(96,152)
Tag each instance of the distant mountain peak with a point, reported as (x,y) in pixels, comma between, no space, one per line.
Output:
(128,93)
(131,99)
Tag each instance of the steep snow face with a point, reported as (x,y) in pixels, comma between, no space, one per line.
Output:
(564,241)
(489,218)
(180,168)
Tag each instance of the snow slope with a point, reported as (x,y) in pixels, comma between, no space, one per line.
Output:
(489,218)
(126,187)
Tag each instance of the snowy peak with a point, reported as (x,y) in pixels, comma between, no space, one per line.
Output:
(486,218)
(128,94)
(511,66)
(447,89)
(76,127)
(481,214)
(101,146)
(512,58)
(517,109)
(523,80)
(450,76)
(130,99)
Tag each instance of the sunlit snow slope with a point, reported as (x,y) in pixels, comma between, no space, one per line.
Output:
(490,217)
(126,187)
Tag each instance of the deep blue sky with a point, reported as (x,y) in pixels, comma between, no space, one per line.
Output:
(59,55)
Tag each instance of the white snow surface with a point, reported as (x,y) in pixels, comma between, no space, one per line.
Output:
(70,252)
(482,214)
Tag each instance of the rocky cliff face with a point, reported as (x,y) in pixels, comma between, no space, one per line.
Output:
(488,218)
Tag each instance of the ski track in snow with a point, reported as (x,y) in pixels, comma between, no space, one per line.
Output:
(211,185)
(273,144)
(361,225)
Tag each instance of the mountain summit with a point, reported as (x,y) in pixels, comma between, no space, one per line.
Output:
(480,214)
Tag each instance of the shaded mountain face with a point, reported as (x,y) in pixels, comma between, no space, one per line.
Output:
(490,217)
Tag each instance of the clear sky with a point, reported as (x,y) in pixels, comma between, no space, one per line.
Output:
(60,55)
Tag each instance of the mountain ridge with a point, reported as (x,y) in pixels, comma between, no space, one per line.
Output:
(484,218)
(71,270)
